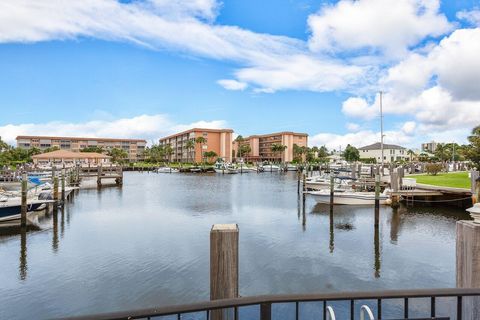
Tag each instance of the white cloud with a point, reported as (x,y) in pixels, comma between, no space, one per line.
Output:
(390,26)
(149,127)
(353,126)
(230,84)
(472,16)
(409,127)
(267,61)
(359,108)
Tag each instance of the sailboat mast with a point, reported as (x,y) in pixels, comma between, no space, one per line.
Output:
(381,126)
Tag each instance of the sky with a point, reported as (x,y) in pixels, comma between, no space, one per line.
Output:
(149,68)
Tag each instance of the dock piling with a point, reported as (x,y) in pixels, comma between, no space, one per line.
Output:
(23,213)
(223,266)
(468,264)
(332,187)
(63,185)
(377,191)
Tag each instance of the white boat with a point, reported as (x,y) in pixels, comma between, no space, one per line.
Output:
(245,169)
(10,209)
(167,170)
(348,197)
(270,168)
(291,167)
(222,167)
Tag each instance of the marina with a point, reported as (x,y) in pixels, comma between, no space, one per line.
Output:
(145,237)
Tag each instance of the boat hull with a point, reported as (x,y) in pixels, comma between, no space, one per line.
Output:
(9,213)
(348,198)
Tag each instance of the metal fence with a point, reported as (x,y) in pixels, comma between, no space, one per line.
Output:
(211,309)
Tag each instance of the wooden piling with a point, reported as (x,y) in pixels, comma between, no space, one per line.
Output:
(63,185)
(55,192)
(377,191)
(332,189)
(468,265)
(223,266)
(23,213)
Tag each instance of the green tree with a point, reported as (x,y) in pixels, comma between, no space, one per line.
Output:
(201,141)
(351,153)
(442,152)
(411,153)
(210,155)
(244,149)
(278,149)
(190,145)
(118,155)
(169,152)
(155,153)
(473,153)
(96,149)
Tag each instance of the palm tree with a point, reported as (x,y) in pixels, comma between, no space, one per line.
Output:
(201,141)
(190,145)
(411,154)
(210,155)
(278,148)
(169,152)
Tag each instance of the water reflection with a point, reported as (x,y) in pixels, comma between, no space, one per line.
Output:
(376,242)
(168,240)
(332,232)
(23,254)
(395,221)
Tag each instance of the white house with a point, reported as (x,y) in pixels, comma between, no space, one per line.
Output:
(391,152)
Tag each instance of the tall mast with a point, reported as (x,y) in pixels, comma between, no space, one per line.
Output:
(381,125)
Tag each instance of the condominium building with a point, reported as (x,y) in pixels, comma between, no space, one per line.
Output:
(216,140)
(261,146)
(133,147)
(429,146)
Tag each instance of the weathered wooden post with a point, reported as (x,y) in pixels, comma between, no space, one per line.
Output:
(298,180)
(474,187)
(23,213)
(332,189)
(401,175)
(468,261)
(63,185)
(354,171)
(99,175)
(377,191)
(55,193)
(223,266)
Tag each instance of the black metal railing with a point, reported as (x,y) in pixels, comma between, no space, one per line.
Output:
(265,303)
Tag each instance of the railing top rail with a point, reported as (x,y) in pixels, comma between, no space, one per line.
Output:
(256,300)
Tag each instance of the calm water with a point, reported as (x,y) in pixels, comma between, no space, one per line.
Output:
(147,244)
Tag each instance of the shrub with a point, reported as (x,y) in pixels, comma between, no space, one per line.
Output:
(433,168)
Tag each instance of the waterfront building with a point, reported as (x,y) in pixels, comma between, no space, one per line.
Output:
(430,147)
(261,146)
(59,158)
(216,140)
(134,147)
(391,152)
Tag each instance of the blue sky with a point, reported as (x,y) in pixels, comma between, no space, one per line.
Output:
(148,68)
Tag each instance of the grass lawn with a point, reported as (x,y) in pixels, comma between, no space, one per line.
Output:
(454,179)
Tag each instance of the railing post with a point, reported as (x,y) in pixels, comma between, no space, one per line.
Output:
(223,266)
(265,311)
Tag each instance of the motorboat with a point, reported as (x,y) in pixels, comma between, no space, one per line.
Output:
(270,168)
(291,167)
(11,208)
(222,167)
(348,197)
(167,170)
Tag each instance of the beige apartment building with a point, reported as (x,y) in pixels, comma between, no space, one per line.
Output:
(134,147)
(261,146)
(217,140)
